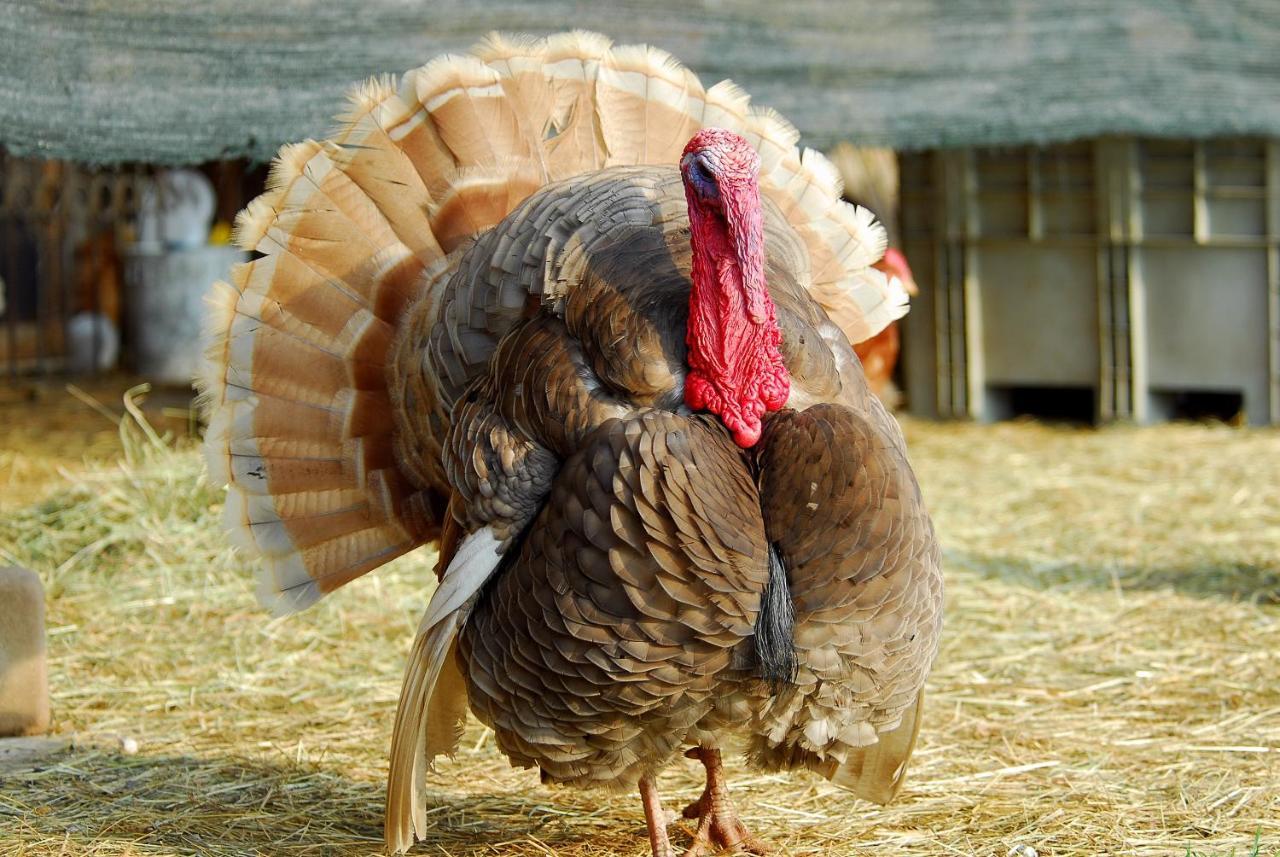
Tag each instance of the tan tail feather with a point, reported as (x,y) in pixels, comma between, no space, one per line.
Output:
(642,99)
(877,773)
(365,151)
(571,63)
(870,176)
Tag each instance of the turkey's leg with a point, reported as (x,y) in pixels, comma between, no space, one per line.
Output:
(719,827)
(655,818)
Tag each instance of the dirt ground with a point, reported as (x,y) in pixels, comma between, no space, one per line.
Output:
(1109,682)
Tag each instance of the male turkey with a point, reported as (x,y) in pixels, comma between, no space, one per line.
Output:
(567,312)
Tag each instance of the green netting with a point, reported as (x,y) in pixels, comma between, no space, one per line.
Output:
(172,82)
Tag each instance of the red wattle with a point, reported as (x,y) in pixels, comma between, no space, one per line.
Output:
(735,365)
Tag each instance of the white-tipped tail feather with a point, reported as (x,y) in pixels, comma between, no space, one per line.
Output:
(877,772)
(870,177)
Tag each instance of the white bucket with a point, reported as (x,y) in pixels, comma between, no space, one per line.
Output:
(165,310)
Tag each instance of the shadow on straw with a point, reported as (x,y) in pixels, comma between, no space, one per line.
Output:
(227,805)
(1231,581)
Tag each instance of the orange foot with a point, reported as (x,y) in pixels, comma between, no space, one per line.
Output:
(719,828)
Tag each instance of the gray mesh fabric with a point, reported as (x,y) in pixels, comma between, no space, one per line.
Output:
(182,82)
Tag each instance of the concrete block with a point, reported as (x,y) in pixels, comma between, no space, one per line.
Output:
(24,673)
(22,755)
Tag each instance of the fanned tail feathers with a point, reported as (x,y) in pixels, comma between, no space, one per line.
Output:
(295,383)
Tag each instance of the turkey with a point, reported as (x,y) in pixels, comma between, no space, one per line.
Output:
(585,324)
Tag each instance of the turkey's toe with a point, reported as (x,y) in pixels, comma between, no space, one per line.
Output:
(720,830)
(694,810)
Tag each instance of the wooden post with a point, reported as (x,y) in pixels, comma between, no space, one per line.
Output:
(1134,299)
(952,325)
(1273,278)
(1035,196)
(975,364)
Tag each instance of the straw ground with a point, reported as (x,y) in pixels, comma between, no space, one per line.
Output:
(1109,681)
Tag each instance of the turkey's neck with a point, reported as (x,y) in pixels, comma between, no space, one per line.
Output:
(735,366)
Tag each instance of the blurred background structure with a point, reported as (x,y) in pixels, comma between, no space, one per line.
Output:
(1089,192)
(1119,277)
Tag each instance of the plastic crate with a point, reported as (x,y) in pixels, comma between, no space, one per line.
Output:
(1107,279)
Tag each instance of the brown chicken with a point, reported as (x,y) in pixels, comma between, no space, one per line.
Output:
(567,312)
(98,276)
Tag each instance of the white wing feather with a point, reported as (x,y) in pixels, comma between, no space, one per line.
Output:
(433,700)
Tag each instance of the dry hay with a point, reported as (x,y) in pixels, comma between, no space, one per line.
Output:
(47,427)
(1109,681)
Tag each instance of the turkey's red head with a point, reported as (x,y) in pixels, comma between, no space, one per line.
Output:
(735,367)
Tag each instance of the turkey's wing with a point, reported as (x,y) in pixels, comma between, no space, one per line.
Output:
(845,513)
